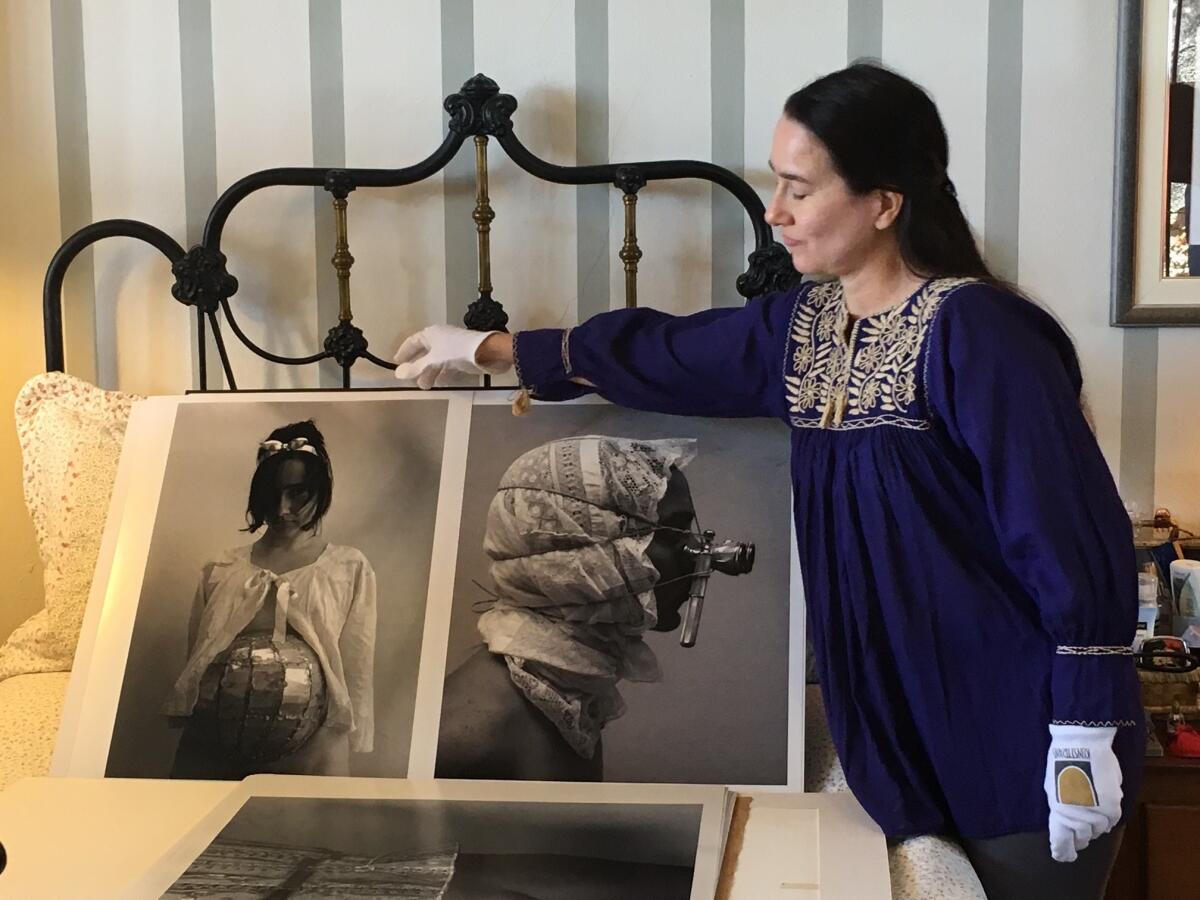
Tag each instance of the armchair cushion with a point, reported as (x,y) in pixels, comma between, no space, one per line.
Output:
(70,434)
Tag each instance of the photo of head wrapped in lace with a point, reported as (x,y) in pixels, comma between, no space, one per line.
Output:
(274,666)
(592,547)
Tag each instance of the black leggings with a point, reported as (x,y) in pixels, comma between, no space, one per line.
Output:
(1019,867)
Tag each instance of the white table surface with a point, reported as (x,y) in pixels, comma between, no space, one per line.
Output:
(91,838)
(853,862)
(95,838)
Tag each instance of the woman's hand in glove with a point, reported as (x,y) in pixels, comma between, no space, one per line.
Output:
(1083,786)
(425,357)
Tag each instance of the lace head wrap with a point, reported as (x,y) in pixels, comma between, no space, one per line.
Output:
(567,533)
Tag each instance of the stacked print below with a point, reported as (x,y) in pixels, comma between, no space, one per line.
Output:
(289,837)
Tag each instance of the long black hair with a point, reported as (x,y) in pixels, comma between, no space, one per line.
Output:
(883,132)
(318,475)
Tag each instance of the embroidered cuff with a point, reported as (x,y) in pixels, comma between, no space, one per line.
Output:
(542,362)
(1094,686)
(538,357)
(566,351)
(1093,650)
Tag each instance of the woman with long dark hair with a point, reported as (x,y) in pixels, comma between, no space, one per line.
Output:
(967,562)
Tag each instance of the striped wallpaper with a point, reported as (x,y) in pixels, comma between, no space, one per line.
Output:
(159,106)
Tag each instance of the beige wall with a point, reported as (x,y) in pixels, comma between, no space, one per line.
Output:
(178,108)
(29,233)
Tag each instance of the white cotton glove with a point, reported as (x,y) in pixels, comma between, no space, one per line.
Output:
(426,356)
(1083,785)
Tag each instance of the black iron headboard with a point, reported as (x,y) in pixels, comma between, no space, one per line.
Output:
(478,110)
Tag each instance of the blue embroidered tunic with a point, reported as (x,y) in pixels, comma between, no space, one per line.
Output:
(968,565)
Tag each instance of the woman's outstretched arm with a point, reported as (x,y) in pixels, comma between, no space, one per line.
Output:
(718,362)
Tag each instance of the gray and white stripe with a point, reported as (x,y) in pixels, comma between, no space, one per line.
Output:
(199,151)
(458,56)
(329,149)
(591,148)
(74,184)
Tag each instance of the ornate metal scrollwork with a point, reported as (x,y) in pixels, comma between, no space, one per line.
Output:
(486,314)
(770,269)
(629,179)
(339,183)
(497,114)
(201,279)
(480,108)
(346,343)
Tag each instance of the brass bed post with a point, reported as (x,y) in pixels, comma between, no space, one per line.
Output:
(342,260)
(630,252)
(480,110)
(630,180)
(483,216)
(345,341)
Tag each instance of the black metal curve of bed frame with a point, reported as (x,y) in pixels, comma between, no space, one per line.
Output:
(478,110)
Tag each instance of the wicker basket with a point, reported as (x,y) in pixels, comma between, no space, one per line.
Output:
(1162,690)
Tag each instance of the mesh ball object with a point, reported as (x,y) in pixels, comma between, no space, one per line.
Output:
(260,701)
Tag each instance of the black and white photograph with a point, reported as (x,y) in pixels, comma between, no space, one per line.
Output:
(280,619)
(583,567)
(444,849)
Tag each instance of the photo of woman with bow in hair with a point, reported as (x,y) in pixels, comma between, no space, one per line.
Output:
(280,671)
(278,613)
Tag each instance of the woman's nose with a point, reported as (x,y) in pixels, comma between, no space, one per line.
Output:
(774,214)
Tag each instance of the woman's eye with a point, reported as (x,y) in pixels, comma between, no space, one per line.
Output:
(796,196)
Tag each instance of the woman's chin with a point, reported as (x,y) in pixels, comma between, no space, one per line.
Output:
(798,261)
(803,262)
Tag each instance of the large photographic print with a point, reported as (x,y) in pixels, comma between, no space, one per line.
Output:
(467,842)
(279,624)
(575,565)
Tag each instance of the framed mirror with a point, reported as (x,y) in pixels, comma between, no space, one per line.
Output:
(1156,213)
